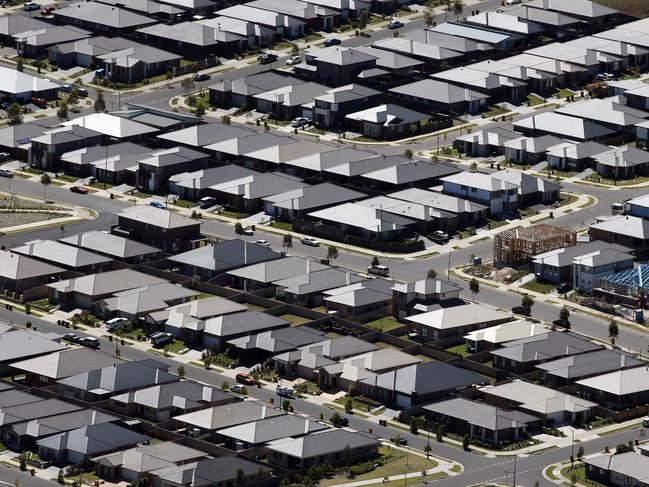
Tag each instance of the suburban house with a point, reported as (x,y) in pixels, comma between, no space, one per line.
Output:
(421,296)
(23,275)
(531,190)
(46,150)
(153,172)
(628,468)
(158,228)
(102,18)
(495,336)
(529,150)
(454,321)
(498,195)
(323,447)
(113,246)
(388,122)
(626,230)
(211,471)
(17,345)
(437,95)
(72,258)
(618,390)
(308,290)
(363,301)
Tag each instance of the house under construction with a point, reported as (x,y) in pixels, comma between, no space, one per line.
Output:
(516,247)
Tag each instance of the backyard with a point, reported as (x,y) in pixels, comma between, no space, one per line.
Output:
(386,324)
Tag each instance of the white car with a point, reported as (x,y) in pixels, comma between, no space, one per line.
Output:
(237,389)
(114,323)
(296,59)
(248,231)
(313,242)
(298,122)
(263,243)
(395,24)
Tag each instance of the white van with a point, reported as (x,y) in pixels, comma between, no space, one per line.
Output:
(379,270)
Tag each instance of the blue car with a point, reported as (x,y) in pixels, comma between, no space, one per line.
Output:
(157,204)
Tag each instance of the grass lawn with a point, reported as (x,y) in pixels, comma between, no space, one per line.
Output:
(2,447)
(384,324)
(409,482)
(563,93)
(282,226)
(533,100)
(496,223)
(100,185)
(233,214)
(32,170)
(495,111)
(184,203)
(176,346)
(539,287)
(67,178)
(397,462)
(482,239)
(459,349)
(42,303)
(567,199)
(580,471)
(296,320)
(358,405)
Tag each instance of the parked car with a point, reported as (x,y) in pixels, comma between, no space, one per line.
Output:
(285,391)
(79,189)
(300,122)
(246,379)
(4,156)
(201,77)
(332,41)
(82,92)
(237,389)
(564,287)
(379,270)
(248,231)
(206,202)
(65,88)
(395,24)
(512,2)
(31,6)
(522,310)
(157,204)
(6,174)
(263,243)
(39,102)
(312,241)
(402,440)
(100,73)
(267,58)
(160,339)
(114,323)
(645,423)
(439,236)
(296,59)
(90,342)
(70,337)
(47,10)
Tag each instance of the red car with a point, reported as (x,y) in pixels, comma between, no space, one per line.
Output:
(39,102)
(79,189)
(244,378)
(47,10)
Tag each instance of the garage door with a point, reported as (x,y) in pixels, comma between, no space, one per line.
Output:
(403,401)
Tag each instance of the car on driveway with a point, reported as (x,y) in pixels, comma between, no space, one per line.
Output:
(293,60)
(237,389)
(31,6)
(645,423)
(112,324)
(285,391)
(6,174)
(202,77)
(4,156)
(312,241)
(267,58)
(299,122)
(79,189)
(332,41)
(39,102)
(263,243)
(395,24)
(157,204)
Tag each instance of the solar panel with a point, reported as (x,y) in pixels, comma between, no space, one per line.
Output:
(23,140)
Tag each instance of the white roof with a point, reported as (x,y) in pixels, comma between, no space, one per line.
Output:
(458,316)
(507,331)
(563,126)
(15,82)
(631,226)
(111,125)
(369,218)
(621,382)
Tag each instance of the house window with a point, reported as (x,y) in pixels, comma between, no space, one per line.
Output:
(463,188)
(474,190)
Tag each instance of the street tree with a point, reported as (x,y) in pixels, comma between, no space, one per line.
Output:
(448,5)
(287,241)
(240,479)
(238,229)
(429,16)
(564,315)
(286,404)
(580,453)
(20,64)
(46,180)
(363,19)
(100,103)
(375,261)
(474,287)
(527,301)
(15,114)
(466,441)
(439,433)
(62,112)
(169,76)
(458,8)
(181,371)
(332,253)
(336,420)
(431,274)
(414,425)
(613,330)
(349,405)
(408,153)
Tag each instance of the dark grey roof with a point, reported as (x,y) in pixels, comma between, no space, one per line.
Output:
(256,83)
(183,395)
(437,91)
(481,414)
(244,322)
(13,24)
(323,443)
(20,344)
(101,14)
(589,364)
(41,427)
(341,347)
(315,196)
(564,256)
(13,397)
(205,134)
(412,172)
(275,270)
(542,347)
(223,256)
(51,35)
(156,217)
(265,430)
(209,472)
(120,377)
(17,135)
(220,417)
(317,281)
(93,440)
(279,340)
(56,252)
(35,410)
(110,244)
(425,378)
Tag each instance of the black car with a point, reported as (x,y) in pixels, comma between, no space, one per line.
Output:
(562,323)
(202,77)
(267,58)
(522,310)
(90,342)
(564,287)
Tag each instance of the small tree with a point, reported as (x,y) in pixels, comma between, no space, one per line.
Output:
(60,478)
(200,111)
(458,8)
(46,180)
(73,98)
(429,16)
(332,253)
(375,261)
(335,420)
(466,441)
(613,330)
(527,301)
(474,287)
(244,391)
(169,76)
(15,114)
(238,229)
(414,426)
(473,167)
(287,241)
(20,64)
(226,120)
(349,405)
(431,274)
(100,103)
(408,153)
(363,19)
(573,479)
(23,461)
(225,385)
(295,49)
(28,308)
(580,453)
(439,434)
(564,315)
(286,404)
(62,112)
(181,371)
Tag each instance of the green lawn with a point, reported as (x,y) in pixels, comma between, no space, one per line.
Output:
(358,405)
(459,350)
(386,323)
(295,319)
(567,199)
(539,287)
(43,303)
(67,178)
(100,185)
(282,226)
(233,214)
(495,111)
(205,296)
(184,203)
(32,170)
(563,93)
(397,462)
(580,471)
(176,346)
(533,100)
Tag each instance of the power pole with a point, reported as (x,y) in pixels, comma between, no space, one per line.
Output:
(514,474)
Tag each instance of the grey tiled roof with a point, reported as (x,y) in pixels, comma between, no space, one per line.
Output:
(546,346)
